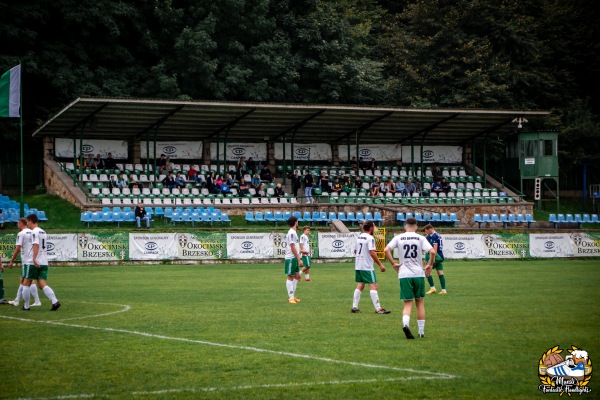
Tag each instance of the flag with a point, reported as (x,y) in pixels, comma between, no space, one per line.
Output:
(10,92)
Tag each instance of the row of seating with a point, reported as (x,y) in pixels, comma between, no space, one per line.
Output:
(314,217)
(198,201)
(170,214)
(13,214)
(503,219)
(428,217)
(415,199)
(578,219)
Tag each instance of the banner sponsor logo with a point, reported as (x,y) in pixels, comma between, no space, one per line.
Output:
(87,148)
(258,245)
(238,151)
(433,154)
(153,246)
(186,150)
(62,247)
(380,152)
(336,245)
(202,246)
(506,246)
(235,151)
(103,247)
(463,246)
(63,147)
(586,244)
(304,151)
(364,152)
(551,245)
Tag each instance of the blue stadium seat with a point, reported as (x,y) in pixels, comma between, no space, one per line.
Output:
(378,218)
(595,219)
(323,216)
(512,218)
(444,217)
(269,217)
(419,217)
(504,220)
(128,216)
(316,217)
(42,216)
(586,219)
(360,217)
(117,217)
(258,217)
(400,217)
(86,217)
(298,215)
(97,217)
(560,218)
(351,217)
(435,217)
(495,218)
(225,218)
(249,217)
(342,216)
(278,217)
(477,218)
(409,215)
(529,219)
(369,216)
(332,216)
(306,217)
(569,218)
(159,212)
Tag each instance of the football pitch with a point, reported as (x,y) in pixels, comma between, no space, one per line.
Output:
(227,332)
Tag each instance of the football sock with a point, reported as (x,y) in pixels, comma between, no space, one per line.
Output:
(290,288)
(294,284)
(306,276)
(50,294)
(19,293)
(356,298)
(375,299)
(405,320)
(33,289)
(26,294)
(443,281)
(430,281)
(421,325)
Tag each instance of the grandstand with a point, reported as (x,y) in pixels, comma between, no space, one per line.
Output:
(402,138)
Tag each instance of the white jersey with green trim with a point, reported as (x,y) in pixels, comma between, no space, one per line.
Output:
(291,237)
(410,247)
(304,242)
(40,238)
(363,260)
(25,240)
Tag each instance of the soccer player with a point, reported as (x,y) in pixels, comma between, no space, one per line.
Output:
(305,252)
(39,269)
(292,260)
(411,273)
(2,300)
(365,256)
(25,247)
(438,245)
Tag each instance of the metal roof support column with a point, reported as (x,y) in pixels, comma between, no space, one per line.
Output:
(154,170)
(225,151)
(357,157)
(412,157)
(284,163)
(74,159)
(80,151)
(422,161)
(473,154)
(218,159)
(485,140)
(349,162)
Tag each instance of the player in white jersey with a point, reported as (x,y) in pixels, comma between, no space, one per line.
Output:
(305,253)
(365,256)
(24,245)
(39,269)
(411,273)
(292,260)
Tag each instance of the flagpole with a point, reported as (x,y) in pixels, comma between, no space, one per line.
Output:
(22,201)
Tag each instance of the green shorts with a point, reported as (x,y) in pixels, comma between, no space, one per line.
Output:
(365,276)
(291,266)
(412,289)
(33,273)
(306,261)
(438,263)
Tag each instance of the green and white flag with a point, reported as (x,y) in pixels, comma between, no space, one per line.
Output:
(10,92)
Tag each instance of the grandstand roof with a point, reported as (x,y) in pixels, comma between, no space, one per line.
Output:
(112,118)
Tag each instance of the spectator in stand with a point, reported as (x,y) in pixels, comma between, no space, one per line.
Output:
(295,180)
(193,174)
(391,187)
(228,179)
(89,162)
(337,186)
(210,181)
(122,181)
(260,191)
(109,162)
(242,168)
(437,187)
(308,184)
(324,183)
(169,166)
(218,182)
(445,186)
(243,190)
(279,192)
(358,182)
(169,181)
(114,182)
(133,182)
(363,164)
(180,180)
(225,188)
(265,174)
(98,162)
(141,215)
(436,171)
(400,187)
(383,188)
(373,165)
(160,163)
(259,166)
(410,187)
(419,187)
(255,182)
(251,165)
(353,162)
(375,187)
(344,180)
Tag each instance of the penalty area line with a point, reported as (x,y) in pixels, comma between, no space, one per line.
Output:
(234,388)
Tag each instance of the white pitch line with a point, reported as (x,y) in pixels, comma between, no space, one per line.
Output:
(125,309)
(233,388)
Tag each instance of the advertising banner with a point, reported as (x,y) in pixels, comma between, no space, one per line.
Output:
(506,245)
(337,245)
(7,246)
(235,151)
(103,247)
(304,152)
(153,246)
(250,245)
(201,246)
(434,154)
(463,246)
(550,245)
(186,150)
(380,152)
(586,244)
(63,147)
(62,247)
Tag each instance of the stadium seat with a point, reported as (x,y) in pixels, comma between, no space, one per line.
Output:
(504,220)
(342,216)
(86,217)
(278,217)
(306,217)
(250,217)
(258,217)
(529,219)
(351,217)
(316,217)
(419,217)
(378,218)
(595,219)
(400,217)
(477,218)
(269,217)
(332,216)
(118,217)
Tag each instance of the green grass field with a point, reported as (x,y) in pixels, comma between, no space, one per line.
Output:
(227,332)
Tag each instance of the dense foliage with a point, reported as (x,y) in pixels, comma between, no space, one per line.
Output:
(425,53)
